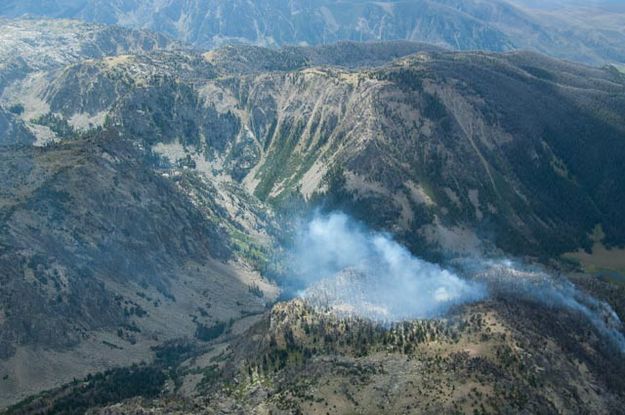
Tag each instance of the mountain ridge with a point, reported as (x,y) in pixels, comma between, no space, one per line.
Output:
(493,25)
(246,112)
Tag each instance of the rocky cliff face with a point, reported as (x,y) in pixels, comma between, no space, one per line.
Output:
(464,151)
(581,32)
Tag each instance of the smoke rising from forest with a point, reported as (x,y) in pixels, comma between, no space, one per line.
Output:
(352,270)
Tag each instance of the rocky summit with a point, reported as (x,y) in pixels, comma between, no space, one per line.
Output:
(362,220)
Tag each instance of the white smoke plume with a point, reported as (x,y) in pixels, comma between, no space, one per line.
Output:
(351,270)
(512,279)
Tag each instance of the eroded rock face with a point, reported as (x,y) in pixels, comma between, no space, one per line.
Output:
(443,149)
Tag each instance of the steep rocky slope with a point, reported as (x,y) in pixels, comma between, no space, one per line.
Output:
(460,151)
(101,259)
(583,32)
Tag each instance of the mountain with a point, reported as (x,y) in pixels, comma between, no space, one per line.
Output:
(28,47)
(151,195)
(453,151)
(102,259)
(563,30)
(500,356)
(35,45)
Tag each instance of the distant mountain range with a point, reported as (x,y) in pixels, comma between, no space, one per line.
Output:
(33,46)
(588,32)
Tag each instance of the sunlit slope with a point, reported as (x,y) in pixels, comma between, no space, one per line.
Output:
(101,260)
(466,151)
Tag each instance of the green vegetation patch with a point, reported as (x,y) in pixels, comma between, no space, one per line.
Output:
(98,390)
